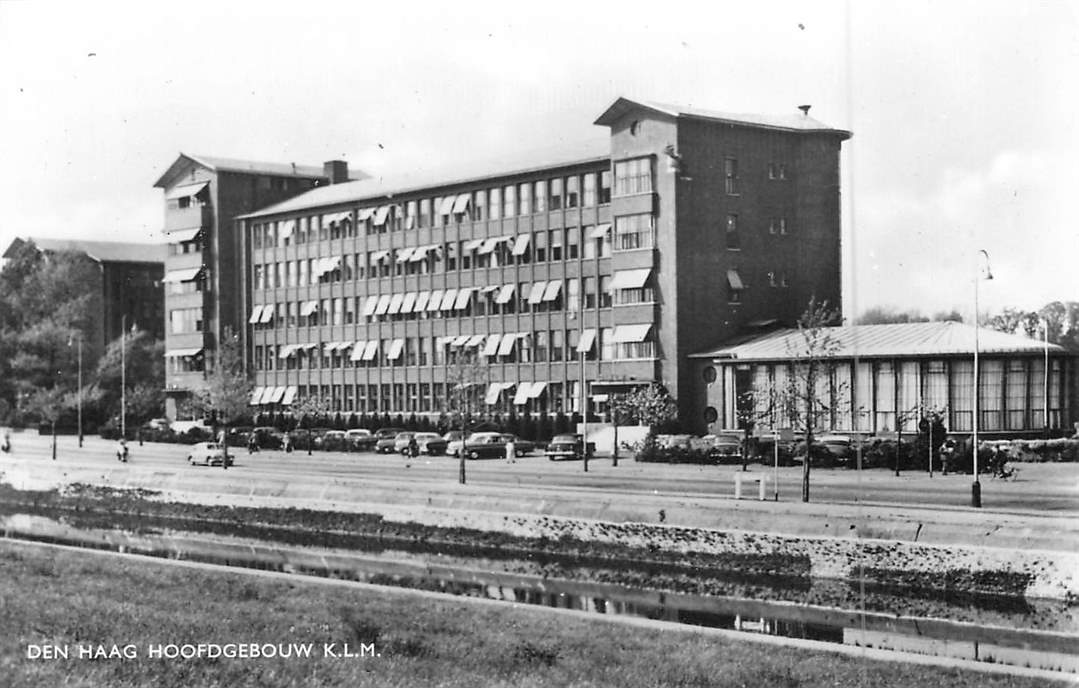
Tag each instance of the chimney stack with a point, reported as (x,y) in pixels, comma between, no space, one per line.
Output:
(805,110)
(335,170)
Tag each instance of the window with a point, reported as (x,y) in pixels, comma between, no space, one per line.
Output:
(540,349)
(734,241)
(777,170)
(572,238)
(509,201)
(425,212)
(604,187)
(604,291)
(573,191)
(633,232)
(494,204)
(540,248)
(555,244)
(772,279)
(556,194)
(734,287)
(479,207)
(730,175)
(606,344)
(573,297)
(633,177)
(541,196)
(589,190)
(777,225)
(589,292)
(962,392)
(185,320)
(557,345)
(524,198)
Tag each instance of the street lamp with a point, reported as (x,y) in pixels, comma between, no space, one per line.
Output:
(982,266)
(1045,379)
(123,376)
(78,389)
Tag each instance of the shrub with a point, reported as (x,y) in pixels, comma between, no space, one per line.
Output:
(650,451)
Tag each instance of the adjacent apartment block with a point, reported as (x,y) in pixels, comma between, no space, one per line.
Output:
(606,266)
(203,279)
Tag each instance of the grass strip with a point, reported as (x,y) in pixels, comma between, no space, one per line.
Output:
(66,598)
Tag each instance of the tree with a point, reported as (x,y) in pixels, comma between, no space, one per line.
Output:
(307,409)
(811,353)
(466,381)
(886,315)
(144,360)
(649,405)
(47,404)
(228,388)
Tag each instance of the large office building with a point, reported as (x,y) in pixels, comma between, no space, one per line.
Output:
(882,378)
(203,279)
(581,273)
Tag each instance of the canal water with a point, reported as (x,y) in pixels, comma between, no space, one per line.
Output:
(1031,633)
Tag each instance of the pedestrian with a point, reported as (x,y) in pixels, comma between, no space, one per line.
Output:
(511,450)
(121,450)
(286,443)
(6,446)
(413,447)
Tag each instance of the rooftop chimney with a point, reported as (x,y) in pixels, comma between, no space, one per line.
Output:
(805,110)
(335,170)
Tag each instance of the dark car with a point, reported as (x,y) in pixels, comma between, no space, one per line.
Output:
(268,437)
(568,447)
(385,438)
(431,443)
(726,448)
(485,445)
(520,447)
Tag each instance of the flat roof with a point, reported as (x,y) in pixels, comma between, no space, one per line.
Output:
(381,187)
(884,341)
(100,251)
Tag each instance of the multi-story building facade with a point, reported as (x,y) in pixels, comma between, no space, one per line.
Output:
(606,267)
(202,280)
(127,290)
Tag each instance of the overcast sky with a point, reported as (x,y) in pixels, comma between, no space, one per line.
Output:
(964,121)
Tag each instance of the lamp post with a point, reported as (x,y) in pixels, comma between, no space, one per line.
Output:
(78,388)
(123,376)
(1045,379)
(976,487)
(584,414)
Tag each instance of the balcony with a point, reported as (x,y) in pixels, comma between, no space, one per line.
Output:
(193,217)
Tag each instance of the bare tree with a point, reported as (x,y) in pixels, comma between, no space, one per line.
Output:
(466,381)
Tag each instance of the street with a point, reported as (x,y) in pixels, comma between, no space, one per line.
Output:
(1046,487)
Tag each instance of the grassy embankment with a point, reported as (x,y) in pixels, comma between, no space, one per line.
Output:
(68,598)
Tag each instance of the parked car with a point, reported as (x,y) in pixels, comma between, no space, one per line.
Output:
(485,445)
(841,448)
(331,440)
(158,424)
(385,439)
(431,443)
(400,442)
(568,447)
(726,447)
(268,437)
(520,447)
(359,439)
(208,454)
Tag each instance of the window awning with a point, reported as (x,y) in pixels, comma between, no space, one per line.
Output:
(379,256)
(403,254)
(494,391)
(448,299)
(381,214)
(325,265)
(460,340)
(491,347)
(185,190)
(334,218)
(185,275)
(551,292)
(631,333)
(476,340)
(489,245)
(471,245)
(383,304)
(521,244)
(421,301)
(506,294)
(290,395)
(435,301)
(461,203)
(588,338)
(536,295)
(506,347)
(370,350)
(370,305)
(256,315)
(490,289)
(600,231)
(537,390)
(266,394)
(396,347)
(630,279)
(409,303)
(278,393)
(183,353)
(418,254)
(357,350)
(267,314)
(521,397)
(463,297)
(286,350)
(364,213)
(183,235)
(446,206)
(256,396)
(286,228)
(735,280)
(395,303)
(308,308)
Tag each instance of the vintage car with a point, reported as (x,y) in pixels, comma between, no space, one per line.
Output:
(485,445)
(430,443)
(568,447)
(359,439)
(207,454)
(386,439)
(726,447)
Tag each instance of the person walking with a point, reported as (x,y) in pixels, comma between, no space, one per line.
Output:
(511,450)
(413,447)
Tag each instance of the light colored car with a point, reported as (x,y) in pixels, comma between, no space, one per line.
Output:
(400,442)
(207,454)
(359,439)
(725,447)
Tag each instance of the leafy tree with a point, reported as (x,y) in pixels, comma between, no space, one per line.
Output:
(308,410)
(886,315)
(47,405)
(228,388)
(649,405)
(466,383)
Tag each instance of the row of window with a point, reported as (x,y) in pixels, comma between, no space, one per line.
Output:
(777,226)
(515,200)
(624,342)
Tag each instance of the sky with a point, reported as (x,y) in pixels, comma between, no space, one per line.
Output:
(962,113)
